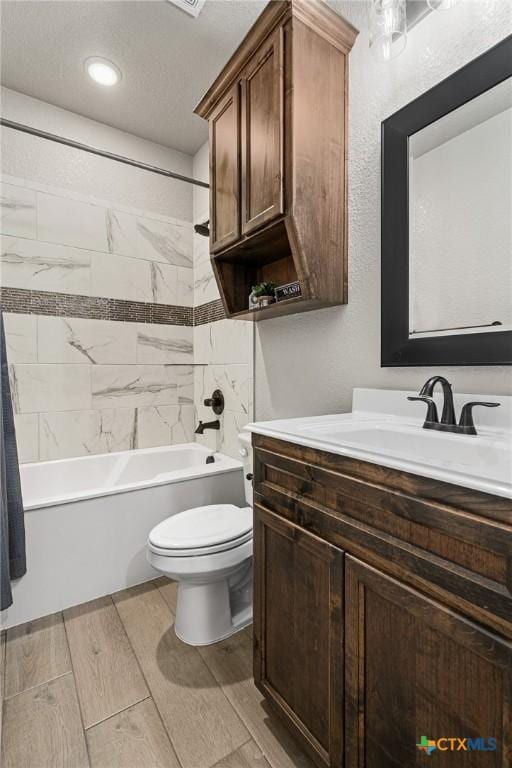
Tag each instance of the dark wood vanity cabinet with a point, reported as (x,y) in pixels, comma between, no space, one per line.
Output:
(417,668)
(277,114)
(383,610)
(298,620)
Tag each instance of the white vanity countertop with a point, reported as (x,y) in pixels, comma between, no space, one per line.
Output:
(385,428)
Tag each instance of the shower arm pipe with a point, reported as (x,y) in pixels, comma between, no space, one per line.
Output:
(100,152)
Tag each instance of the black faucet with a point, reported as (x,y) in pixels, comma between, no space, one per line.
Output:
(427,390)
(208,425)
(448,423)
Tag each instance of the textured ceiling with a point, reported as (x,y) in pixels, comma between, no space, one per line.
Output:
(168,59)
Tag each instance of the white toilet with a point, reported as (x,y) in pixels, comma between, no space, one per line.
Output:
(208,551)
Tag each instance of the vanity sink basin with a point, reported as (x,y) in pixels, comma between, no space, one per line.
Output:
(486,455)
(385,428)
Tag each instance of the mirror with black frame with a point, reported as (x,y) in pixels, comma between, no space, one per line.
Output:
(447,220)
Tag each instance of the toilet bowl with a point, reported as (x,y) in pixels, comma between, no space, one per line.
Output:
(208,551)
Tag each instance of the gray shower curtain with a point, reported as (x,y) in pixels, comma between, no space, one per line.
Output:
(12,524)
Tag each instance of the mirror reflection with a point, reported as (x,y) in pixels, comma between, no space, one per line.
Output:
(460,219)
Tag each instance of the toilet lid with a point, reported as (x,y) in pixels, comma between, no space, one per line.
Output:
(203,527)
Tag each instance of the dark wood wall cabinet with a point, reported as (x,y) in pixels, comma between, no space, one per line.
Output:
(277,115)
(382,610)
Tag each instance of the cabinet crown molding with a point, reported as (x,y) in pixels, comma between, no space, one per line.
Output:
(316,14)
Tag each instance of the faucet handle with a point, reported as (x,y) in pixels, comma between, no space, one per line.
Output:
(432,416)
(466,416)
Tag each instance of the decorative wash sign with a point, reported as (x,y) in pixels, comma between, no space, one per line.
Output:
(192,7)
(288,291)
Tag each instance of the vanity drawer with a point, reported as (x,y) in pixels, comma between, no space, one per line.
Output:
(431,534)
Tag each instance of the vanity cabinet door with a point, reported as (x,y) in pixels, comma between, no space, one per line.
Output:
(414,669)
(225,172)
(298,651)
(262,135)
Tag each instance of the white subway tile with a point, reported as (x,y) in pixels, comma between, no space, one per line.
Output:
(38,388)
(185,296)
(21,338)
(18,215)
(165,425)
(224,341)
(80,433)
(184,376)
(116,386)
(205,285)
(75,340)
(119,277)
(71,222)
(166,344)
(121,232)
(164,283)
(45,266)
(161,241)
(27,436)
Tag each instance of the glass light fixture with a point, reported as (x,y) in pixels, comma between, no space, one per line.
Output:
(388,29)
(102,71)
(442,5)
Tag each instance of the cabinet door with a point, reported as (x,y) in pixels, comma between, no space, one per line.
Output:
(298,651)
(418,672)
(225,172)
(262,135)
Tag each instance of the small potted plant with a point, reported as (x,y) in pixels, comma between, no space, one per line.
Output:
(262,295)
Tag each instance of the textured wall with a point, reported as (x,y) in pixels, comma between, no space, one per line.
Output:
(309,364)
(43,161)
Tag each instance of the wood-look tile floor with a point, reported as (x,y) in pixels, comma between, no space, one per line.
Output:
(108,685)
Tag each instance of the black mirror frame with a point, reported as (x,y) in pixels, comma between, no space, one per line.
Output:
(397,349)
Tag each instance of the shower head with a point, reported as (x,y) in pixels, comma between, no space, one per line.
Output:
(202,229)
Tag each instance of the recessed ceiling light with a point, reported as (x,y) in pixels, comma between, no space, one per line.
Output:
(102,71)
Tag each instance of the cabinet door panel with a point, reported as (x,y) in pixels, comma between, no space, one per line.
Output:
(225,173)
(262,135)
(415,668)
(298,631)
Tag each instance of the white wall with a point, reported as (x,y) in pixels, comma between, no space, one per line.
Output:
(309,364)
(44,161)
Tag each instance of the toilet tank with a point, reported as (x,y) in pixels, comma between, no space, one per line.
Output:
(245,451)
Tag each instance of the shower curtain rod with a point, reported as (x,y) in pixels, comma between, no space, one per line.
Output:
(100,152)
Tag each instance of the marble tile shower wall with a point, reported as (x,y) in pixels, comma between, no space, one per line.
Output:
(54,240)
(90,386)
(223,353)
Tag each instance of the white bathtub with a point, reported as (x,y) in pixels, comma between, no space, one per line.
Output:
(87,519)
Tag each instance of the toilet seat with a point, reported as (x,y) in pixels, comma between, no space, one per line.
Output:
(202,531)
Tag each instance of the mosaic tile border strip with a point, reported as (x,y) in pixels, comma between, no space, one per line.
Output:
(27,302)
(209,312)
(24,301)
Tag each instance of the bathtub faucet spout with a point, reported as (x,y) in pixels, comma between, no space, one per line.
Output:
(208,425)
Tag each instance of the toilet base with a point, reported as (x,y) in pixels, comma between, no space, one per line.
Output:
(235,627)
(207,613)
